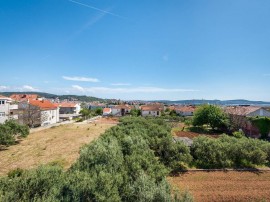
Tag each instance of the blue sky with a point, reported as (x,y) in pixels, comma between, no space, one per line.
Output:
(175,49)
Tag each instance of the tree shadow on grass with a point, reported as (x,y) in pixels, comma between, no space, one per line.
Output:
(203,130)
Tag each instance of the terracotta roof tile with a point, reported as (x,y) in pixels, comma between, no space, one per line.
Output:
(241,110)
(107,110)
(23,97)
(185,108)
(43,104)
(151,108)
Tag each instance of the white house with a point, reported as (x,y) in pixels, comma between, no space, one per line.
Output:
(68,110)
(107,111)
(7,109)
(49,112)
(185,110)
(151,110)
(95,105)
(121,110)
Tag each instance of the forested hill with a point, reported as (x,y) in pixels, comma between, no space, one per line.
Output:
(82,98)
(217,102)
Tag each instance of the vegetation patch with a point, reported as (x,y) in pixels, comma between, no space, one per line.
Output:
(129,162)
(10,131)
(263,124)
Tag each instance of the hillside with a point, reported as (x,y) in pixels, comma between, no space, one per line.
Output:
(217,102)
(82,98)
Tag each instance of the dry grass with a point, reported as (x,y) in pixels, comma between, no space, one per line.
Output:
(59,144)
(225,186)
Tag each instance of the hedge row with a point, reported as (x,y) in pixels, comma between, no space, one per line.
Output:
(230,152)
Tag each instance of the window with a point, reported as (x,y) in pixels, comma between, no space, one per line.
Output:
(2,114)
(2,102)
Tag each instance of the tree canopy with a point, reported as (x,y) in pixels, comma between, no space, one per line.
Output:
(210,115)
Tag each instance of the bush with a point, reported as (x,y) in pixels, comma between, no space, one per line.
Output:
(32,185)
(226,152)
(10,131)
(238,134)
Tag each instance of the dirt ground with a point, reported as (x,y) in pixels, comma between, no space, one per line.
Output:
(108,120)
(192,135)
(60,144)
(225,186)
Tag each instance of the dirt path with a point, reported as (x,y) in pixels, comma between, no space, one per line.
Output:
(59,144)
(225,186)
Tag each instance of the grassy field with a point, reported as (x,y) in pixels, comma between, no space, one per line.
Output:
(59,144)
(225,186)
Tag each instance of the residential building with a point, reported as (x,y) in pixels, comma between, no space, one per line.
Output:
(7,109)
(152,110)
(239,118)
(94,105)
(249,111)
(107,111)
(68,110)
(121,110)
(185,110)
(49,113)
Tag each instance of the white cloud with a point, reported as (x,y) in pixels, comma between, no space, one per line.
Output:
(120,84)
(29,88)
(78,88)
(18,88)
(130,90)
(2,88)
(77,78)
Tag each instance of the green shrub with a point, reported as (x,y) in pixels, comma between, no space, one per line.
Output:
(238,134)
(10,131)
(226,152)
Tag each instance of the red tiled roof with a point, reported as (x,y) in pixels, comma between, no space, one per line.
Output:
(185,108)
(241,110)
(107,110)
(123,107)
(65,104)
(4,97)
(171,107)
(43,104)
(151,108)
(23,97)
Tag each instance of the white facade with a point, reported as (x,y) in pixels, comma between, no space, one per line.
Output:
(116,112)
(49,117)
(6,108)
(77,109)
(151,113)
(120,111)
(184,113)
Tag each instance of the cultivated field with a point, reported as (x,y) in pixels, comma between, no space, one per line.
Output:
(59,144)
(225,186)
